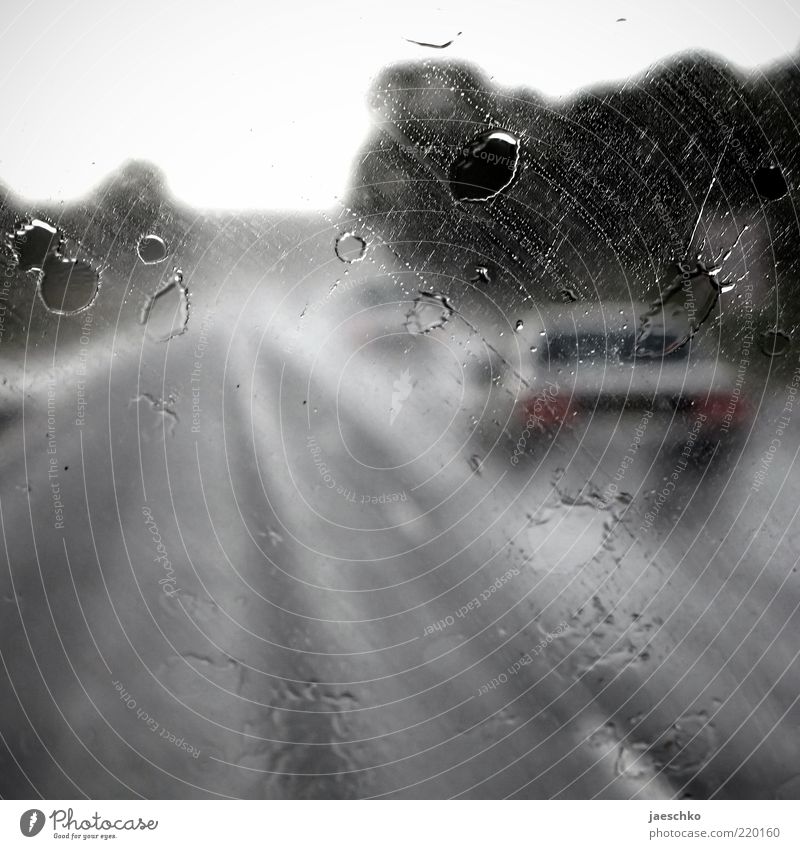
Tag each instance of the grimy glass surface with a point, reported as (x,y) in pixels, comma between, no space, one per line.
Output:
(483,484)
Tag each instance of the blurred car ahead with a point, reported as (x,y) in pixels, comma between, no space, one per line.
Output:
(586,366)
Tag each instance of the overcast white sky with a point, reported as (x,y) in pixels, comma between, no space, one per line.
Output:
(212,92)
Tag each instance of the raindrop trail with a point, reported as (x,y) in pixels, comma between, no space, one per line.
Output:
(705,199)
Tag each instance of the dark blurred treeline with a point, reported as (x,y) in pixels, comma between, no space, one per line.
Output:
(609,186)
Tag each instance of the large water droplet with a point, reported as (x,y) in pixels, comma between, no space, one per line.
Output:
(481,275)
(632,761)
(165,416)
(775,343)
(350,247)
(272,535)
(430,310)
(487,166)
(568,296)
(68,285)
(686,746)
(32,242)
(441,45)
(770,182)
(166,313)
(152,249)
(677,315)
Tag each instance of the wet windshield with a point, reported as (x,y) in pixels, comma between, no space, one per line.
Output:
(480,481)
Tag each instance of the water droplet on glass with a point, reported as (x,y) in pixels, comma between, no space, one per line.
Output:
(32,242)
(677,315)
(770,182)
(274,537)
(441,45)
(519,325)
(632,761)
(68,285)
(164,415)
(350,247)
(486,167)
(685,746)
(481,275)
(475,463)
(775,343)
(152,249)
(166,313)
(568,296)
(430,310)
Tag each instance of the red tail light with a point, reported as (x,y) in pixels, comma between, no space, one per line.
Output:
(722,408)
